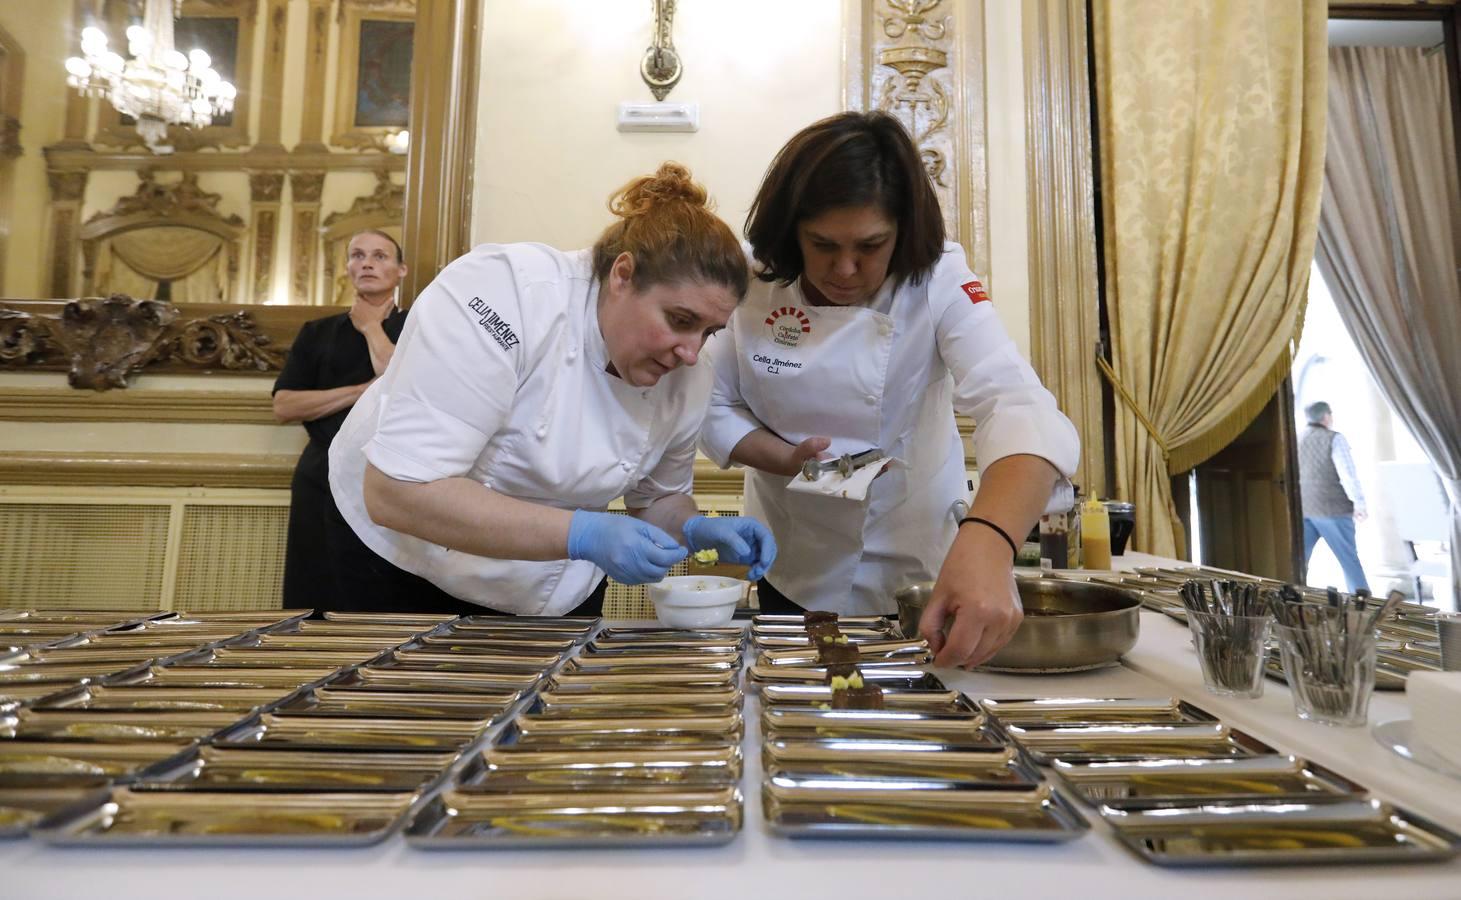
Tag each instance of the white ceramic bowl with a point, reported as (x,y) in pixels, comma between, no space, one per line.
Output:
(696,601)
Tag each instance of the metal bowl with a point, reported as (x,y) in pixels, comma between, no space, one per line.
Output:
(1068,626)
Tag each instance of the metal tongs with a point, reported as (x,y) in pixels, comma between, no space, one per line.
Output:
(845,464)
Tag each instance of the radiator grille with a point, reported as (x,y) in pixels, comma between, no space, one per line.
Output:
(231,557)
(82,556)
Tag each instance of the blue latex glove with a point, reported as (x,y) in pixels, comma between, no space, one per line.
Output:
(737,539)
(631,551)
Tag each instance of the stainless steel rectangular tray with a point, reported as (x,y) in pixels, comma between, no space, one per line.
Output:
(798,809)
(893,698)
(1281,834)
(1093,710)
(304,732)
(961,728)
(222,768)
(111,726)
(906,653)
(618,664)
(603,646)
(325,701)
(1192,782)
(1091,743)
(459,644)
(98,697)
(897,675)
(426,620)
(661,633)
(221,676)
(638,818)
(636,731)
(885,764)
(527,624)
(47,758)
(515,768)
(800,621)
(22,806)
(639,682)
(172,818)
(394,679)
(416,661)
(637,703)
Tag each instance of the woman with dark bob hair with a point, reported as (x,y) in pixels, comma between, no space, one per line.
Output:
(863,329)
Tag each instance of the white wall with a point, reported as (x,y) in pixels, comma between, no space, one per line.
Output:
(554,71)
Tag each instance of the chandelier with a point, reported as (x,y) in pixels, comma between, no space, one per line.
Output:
(158,86)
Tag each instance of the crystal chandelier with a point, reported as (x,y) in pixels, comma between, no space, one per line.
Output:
(158,86)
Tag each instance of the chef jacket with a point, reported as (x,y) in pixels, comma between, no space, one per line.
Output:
(888,374)
(500,376)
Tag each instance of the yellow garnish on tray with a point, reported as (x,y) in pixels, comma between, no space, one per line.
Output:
(854,680)
(707,557)
(841,638)
(840,683)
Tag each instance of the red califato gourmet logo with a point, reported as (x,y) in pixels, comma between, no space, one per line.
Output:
(976,293)
(787,325)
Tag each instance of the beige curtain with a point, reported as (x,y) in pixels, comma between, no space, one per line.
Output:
(1390,242)
(166,253)
(1211,121)
(133,263)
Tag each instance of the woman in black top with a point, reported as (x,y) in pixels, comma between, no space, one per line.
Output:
(332,362)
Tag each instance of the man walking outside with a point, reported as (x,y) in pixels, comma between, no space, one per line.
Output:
(1330,492)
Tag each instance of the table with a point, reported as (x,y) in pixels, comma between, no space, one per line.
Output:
(1094,866)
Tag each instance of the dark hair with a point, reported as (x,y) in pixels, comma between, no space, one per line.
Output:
(848,160)
(400,257)
(1315,412)
(665,223)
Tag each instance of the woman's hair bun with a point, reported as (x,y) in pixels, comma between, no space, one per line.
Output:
(671,184)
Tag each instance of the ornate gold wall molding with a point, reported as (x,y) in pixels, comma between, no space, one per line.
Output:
(271,90)
(220,470)
(67,189)
(67,405)
(1064,321)
(346,133)
(210,470)
(317,42)
(63,157)
(443,139)
(100,343)
(306,188)
(239,339)
(923,61)
(265,190)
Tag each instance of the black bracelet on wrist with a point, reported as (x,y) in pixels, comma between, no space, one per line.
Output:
(997,530)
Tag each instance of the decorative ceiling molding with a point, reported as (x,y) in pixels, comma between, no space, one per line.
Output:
(182,203)
(74,158)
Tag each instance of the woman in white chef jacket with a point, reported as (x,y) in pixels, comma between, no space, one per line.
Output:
(864,329)
(529,390)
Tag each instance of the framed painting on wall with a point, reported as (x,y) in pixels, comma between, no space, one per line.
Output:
(373,89)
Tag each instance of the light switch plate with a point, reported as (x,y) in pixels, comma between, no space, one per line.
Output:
(659,116)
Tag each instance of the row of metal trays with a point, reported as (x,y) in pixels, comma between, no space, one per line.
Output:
(634,742)
(887,750)
(335,756)
(1180,788)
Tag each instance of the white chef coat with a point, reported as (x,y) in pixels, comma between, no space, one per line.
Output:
(887,374)
(500,376)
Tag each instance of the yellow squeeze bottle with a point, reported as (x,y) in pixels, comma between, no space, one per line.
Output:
(1095,535)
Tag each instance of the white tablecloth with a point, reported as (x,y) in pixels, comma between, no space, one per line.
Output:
(758,865)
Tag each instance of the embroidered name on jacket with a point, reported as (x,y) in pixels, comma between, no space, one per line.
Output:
(493,324)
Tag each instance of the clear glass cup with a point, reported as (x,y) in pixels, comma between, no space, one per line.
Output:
(1331,677)
(1231,650)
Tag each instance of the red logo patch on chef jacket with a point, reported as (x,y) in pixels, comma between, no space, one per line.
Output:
(787,325)
(976,293)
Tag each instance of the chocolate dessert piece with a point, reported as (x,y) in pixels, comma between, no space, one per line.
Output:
(867,697)
(819,617)
(840,670)
(831,654)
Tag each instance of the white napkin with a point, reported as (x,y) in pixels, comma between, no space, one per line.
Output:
(832,484)
(1435,712)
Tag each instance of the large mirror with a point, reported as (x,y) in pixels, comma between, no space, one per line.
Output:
(254,209)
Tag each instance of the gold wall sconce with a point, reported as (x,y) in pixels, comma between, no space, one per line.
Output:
(661,67)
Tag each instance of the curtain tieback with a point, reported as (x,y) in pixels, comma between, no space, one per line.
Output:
(1131,404)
